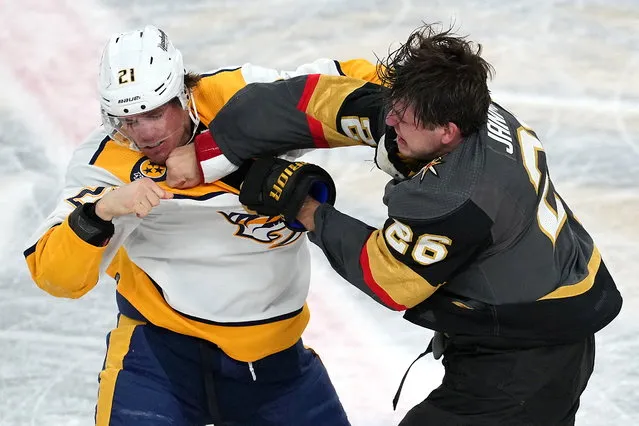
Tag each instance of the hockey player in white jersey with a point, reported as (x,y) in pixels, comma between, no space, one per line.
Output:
(211,297)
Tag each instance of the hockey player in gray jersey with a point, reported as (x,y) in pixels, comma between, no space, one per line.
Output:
(478,244)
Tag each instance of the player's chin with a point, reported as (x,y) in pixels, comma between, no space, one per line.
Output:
(413,154)
(404,150)
(157,155)
(157,158)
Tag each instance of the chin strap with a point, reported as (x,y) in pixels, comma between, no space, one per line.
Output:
(195,118)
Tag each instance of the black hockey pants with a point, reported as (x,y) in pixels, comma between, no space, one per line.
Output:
(507,386)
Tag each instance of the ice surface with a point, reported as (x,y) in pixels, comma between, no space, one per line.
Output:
(568,68)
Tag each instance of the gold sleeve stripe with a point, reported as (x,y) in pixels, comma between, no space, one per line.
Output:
(336,140)
(392,281)
(583,285)
(360,68)
(244,343)
(373,285)
(321,101)
(63,264)
(119,343)
(315,127)
(214,90)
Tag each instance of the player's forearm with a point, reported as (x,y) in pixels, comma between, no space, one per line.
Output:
(342,238)
(65,262)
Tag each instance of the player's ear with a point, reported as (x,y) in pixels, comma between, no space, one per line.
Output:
(450,133)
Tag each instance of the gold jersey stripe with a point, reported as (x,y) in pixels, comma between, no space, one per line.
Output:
(325,103)
(119,343)
(404,286)
(244,343)
(123,162)
(213,91)
(360,68)
(583,285)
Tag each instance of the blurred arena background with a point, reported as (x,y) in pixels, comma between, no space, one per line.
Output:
(566,67)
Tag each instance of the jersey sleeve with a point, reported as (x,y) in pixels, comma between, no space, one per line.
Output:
(217,86)
(303,112)
(407,260)
(70,249)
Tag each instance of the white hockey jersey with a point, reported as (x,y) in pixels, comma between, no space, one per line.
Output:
(198,264)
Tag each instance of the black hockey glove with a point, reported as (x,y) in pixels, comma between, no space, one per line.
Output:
(274,187)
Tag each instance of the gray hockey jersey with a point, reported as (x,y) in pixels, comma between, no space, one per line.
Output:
(476,242)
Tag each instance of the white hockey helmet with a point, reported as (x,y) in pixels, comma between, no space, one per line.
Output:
(139,71)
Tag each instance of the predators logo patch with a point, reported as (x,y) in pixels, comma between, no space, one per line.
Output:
(146,168)
(262,229)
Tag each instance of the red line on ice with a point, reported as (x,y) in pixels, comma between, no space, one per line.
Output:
(52,52)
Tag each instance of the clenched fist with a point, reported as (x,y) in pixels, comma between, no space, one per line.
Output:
(182,168)
(139,197)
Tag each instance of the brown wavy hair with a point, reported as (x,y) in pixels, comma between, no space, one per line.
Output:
(442,76)
(191,79)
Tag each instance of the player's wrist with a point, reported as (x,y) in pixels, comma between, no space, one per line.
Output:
(306,214)
(90,227)
(102,212)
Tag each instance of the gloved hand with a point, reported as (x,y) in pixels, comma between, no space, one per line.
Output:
(274,186)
